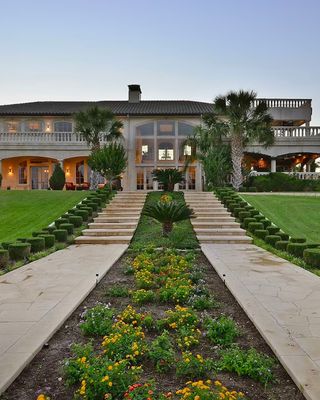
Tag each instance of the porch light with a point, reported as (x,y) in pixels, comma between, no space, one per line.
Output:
(10,171)
(47,127)
(68,171)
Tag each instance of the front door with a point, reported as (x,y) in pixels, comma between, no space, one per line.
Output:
(40,177)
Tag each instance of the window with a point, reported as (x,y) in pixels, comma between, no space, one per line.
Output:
(34,126)
(80,172)
(166,151)
(145,130)
(62,126)
(144,151)
(185,129)
(165,128)
(23,173)
(12,127)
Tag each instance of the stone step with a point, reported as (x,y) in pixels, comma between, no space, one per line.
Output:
(119,214)
(214,225)
(102,239)
(213,219)
(111,219)
(106,225)
(220,232)
(217,207)
(209,213)
(224,239)
(123,208)
(108,232)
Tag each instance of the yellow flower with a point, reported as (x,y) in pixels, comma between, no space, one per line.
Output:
(110,368)
(110,383)
(105,378)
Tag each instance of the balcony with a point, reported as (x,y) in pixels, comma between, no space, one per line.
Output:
(284,103)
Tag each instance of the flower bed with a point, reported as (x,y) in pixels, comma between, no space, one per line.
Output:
(190,341)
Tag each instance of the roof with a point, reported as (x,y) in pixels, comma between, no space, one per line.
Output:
(120,108)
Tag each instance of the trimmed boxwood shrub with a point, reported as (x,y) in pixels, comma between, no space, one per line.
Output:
(261,233)
(37,244)
(272,239)
(273,230)
(253,213)
(243,214)
(297,240)
(282,245)
(312,257)
(76,220)
(259,217)
(284,236)
(51,228)
(89,209)
(19,251)
(94,206)
(23,240)
(266,223)
(72,210)
(66,216)
(68,228)
(37,233)
(296,249)
(61,235)
(247,221)
(95,200)
(83,214)
(60,221)
(48,240)
(6,245)
(4,258)
(236,211)
(249,208)
(253,226)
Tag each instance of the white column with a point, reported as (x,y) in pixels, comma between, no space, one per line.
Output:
(199,178)
(273,165)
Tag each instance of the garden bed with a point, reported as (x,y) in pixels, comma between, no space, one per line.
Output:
(44,374)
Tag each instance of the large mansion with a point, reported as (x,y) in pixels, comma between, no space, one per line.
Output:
(35,136)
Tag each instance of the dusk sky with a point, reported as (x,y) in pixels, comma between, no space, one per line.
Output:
(175,49)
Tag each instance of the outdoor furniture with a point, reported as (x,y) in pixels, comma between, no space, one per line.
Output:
(70,186)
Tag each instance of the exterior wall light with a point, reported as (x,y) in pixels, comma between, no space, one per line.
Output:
(67,171)
(10,171)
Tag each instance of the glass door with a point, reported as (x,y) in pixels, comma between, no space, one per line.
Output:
(40,177)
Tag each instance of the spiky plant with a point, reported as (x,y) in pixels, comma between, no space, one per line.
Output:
(167,213)
(168,177)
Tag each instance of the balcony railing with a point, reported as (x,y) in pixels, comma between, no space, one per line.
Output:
(284,103)
(296,131)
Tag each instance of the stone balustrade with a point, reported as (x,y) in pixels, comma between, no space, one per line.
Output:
(284,103)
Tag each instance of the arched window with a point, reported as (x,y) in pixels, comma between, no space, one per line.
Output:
(62,126)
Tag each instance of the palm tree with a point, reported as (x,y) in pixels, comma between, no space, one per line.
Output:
(96,125)
(238,117)
(168,177)
(167,213)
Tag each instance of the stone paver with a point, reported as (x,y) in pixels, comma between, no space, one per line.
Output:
(36,299)
(282,300)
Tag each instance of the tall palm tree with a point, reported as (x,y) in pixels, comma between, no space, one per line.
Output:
(96,125)
(238,117)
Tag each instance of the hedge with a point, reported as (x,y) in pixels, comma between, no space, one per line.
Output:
(261,233)
(243,214)
(4,258)
(253,213)
(297,240)
(236,211)
(312,257)
(272,239)
(273,230)
(86,208)
(68,228)
(266,223)
(253,226)
(36,233)
(284,236)
(61,235)
(93,205)
(297,249)
(60,221)
(247,221)
(37,244)
(72,211)
(48,240)
(19,251)
(51,228)
(76,220)
(259,217)
(6,245)
(83,214)
(282,245)
(23,240)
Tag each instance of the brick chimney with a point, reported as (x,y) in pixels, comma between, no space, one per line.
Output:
(134,93)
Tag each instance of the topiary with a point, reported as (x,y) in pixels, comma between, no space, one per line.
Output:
(284,236)
(312,257)
(48,240)
(247,221)
(253,226)
(37,233)
(51,228)
(19,251)
(273,230)
(83,213)
(4,258)
(261,233)
(37,244)
(272,239)
(61,235)
(266,223)
(236,211)
(282,245)
(60,221)
(57,179)
(22,240)
(6,245)
(253,213)
(67,227)
(76,220)
(297,240)
(296,249)
(87,208)
(243,214)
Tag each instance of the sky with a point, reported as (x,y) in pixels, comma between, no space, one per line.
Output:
(175,49)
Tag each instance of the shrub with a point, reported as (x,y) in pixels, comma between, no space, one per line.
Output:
(273,230)
(282,245)
(252,189)
(284,236)
(76,220)
(37,233)
(312,257)
(249,363)
(61,235)
(259,217)
(82,213)
(236,211)
(72,211)
(162,353)
(266,223)
(261,233)
(272,239)
(37,244)
(279,182)
(67,227)
(118,291)
(48,240)
(253,226)
(243,214)
(51,228)
(297,240)
(19,251)
(143,296)
(253,213)
(194,366)
(6,245)
(221,331)
(57,179)
(4,258)
(60,221)
(297,249)
(91,204)
(97,321)
(88,209)
(247,221)
(22,239)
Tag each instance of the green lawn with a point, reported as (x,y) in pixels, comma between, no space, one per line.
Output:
(295,215)
(23,212)
(149,231)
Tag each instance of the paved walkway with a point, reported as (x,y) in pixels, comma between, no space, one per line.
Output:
(283,302)
(36,299)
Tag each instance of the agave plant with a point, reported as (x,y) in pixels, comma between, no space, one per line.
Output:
(167,213)
(168,177)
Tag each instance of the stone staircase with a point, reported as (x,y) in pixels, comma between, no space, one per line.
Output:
(212,222)
(117,222)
